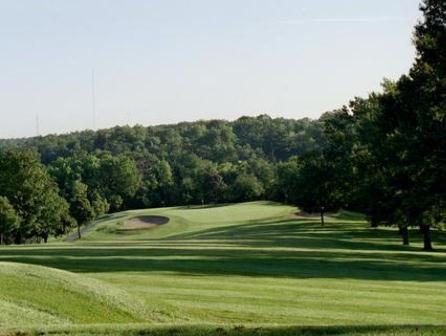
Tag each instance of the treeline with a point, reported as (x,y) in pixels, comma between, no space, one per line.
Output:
(383,155)
(93,173)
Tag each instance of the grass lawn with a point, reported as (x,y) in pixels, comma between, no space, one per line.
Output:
(246,269)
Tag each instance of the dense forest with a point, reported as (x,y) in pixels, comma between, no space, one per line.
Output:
(383,155)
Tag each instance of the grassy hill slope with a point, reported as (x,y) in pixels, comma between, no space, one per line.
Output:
(259,264)
(35,295)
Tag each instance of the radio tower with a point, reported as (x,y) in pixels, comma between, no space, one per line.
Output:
(93,99)
(37,126)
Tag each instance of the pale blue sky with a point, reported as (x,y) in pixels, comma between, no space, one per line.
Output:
(164,61)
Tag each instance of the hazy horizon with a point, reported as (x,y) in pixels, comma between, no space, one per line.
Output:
(159,62)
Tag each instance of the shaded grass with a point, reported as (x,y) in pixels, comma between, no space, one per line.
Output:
(290,248)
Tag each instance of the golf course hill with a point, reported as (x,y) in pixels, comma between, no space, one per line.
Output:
(36,295)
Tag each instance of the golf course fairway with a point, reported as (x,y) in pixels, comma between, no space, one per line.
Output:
(256,268)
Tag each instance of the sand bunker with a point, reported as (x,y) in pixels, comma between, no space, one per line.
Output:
(144,222)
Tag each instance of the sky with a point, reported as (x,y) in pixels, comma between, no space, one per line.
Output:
(166,61)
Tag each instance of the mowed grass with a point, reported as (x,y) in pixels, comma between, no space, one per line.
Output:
(248,269)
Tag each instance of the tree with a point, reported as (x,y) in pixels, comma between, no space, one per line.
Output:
(54,215)
(210,186)
(80,207)
(9,220)
(286,189)
(119,179)
(99,204)
(374,195)
(246,188)
(264,171)
(31,191)
(427,80)
(159,183)
(338,155)
(413,120)
(316,188)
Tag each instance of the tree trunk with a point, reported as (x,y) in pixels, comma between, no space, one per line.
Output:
(1,238)
(427,238)
(374,223)
(45,238)
(322,217)
(405,234)
(18,238)
(79,231)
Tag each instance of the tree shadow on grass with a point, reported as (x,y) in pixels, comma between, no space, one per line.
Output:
(289,248)
(242,262)
(307,233)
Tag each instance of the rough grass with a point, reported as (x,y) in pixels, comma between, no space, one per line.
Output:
(261,266)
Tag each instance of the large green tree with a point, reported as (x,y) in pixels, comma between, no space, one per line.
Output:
(414,122)
(33,194)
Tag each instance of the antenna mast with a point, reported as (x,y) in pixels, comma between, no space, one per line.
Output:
(37,125)
(93,99)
